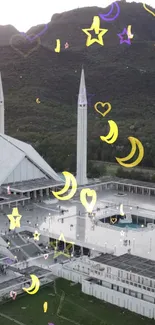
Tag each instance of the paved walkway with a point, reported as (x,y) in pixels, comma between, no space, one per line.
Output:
(77,227)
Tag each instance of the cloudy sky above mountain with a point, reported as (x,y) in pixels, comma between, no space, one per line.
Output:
(25,14)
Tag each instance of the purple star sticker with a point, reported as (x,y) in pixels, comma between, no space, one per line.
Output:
(122,40)
(50,324)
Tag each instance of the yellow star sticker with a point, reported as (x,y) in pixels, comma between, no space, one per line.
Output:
(14,223)
(62,238)
(36,235)
(96,27)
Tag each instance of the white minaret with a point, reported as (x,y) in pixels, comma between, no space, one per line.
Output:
(1,107)
(81,168)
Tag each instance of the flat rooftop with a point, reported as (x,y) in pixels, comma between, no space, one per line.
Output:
(130,263)
(31,185)
(12,282)
(38,271)
(12,198)
(128,182)
(42,183)
(78,227)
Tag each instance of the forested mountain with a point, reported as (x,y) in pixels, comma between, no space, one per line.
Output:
(121,74)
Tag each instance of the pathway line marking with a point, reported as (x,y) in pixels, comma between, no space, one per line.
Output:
(12,319)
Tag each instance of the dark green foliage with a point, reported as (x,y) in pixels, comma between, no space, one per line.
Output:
(123,75)
(146,177)
(95,171)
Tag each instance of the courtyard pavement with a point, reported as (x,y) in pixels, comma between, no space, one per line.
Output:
(49,220)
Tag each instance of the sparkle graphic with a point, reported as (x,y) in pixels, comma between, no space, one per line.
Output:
(8,190)
(36,235)
(122,40)
(66,45)
(122,233)
(99,31)
(62,238)
(14,223)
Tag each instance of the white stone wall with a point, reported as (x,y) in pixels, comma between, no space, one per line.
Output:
(104,293)
(88,267)
(70,275)
(117,298)
(129,276)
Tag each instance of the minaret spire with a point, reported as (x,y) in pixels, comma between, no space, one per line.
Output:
(1,107)
(82,98)
(81,170)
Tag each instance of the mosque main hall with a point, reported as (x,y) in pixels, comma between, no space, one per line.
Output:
(112,254)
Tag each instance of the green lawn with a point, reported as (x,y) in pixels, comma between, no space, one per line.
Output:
(111,168)
(66,306)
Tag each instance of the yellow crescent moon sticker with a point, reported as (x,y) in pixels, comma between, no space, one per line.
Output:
(37,101)
(152,13)
(113,133)
(57,48)
(34,286)
(69,179)
(129,32)
(135,143)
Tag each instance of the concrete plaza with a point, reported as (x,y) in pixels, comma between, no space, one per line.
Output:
(77,227)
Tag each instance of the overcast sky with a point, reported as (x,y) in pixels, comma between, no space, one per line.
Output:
(25,14)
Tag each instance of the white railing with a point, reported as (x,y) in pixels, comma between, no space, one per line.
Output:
(126,229)
(110,278)
(76,242)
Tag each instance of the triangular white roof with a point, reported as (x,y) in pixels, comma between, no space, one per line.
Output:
(13,151)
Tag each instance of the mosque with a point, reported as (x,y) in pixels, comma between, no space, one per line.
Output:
(116,260)
(28,175)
